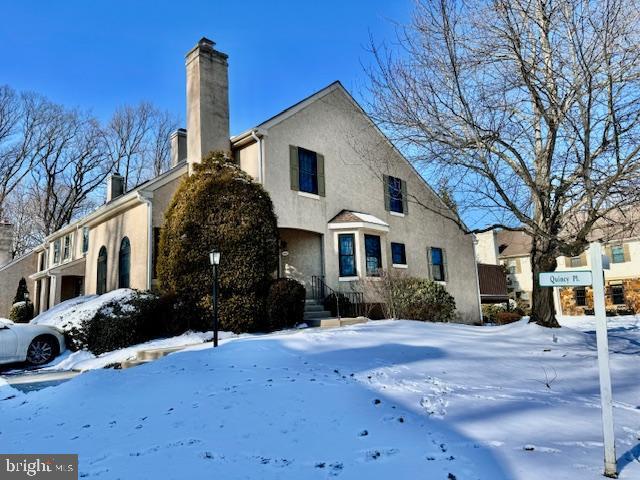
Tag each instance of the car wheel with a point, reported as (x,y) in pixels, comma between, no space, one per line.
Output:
(41,351)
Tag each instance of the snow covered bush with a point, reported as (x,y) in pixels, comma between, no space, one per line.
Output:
(220,207)
(285,304)
(119,324)
(21,312)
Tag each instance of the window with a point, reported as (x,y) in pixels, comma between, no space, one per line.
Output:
(347,255)
(396,203)
(398,254)
(56,251)
(373,254)
(66,250)
(437,264)
(617,294)
(124,263)
(43,260)
(581,296)
(617,254)
(308,176)
(101,284)
(85,239)
(575,262)
(512,266)
(306,171)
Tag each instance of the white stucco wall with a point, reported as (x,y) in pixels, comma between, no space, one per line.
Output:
(356,156)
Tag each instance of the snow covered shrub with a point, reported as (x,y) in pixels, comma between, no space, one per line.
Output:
(22,309)
(220,207)
(285,303)
(21,312)
(121,323)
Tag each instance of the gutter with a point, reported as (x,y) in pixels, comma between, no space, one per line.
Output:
(260,141)
(146,197)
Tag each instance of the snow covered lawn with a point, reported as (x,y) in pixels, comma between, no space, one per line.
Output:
(383,400)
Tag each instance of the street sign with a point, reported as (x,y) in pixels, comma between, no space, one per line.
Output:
(565,279)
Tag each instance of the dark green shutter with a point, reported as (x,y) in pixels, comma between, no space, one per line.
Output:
(320,166)
(387,197)
(294,167)
(444,266)
(405,203)
(429,264)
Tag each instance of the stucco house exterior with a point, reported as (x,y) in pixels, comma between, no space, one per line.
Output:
(347,201)
(622,279)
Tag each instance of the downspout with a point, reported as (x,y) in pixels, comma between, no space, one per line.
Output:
(260,154)
(475,261)
(146,198)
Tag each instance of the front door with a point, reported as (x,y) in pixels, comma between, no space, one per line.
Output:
(301,256)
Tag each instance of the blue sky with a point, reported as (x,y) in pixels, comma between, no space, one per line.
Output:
(97,55)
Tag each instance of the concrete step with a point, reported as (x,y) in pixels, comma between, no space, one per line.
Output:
(316,314)
(332,322)
(156,353)
(133,363)
(313,307)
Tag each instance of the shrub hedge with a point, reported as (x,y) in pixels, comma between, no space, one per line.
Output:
(285,303)
(220,207)
(421,299)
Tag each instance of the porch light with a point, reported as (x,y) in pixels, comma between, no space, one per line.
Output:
(214,257)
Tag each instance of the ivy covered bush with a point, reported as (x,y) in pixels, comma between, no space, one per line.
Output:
(420,299)
(220,207)
(285,304)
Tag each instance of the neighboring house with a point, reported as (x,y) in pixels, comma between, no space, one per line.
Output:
(511,250)
(345,198)
(622,279)
(493,283)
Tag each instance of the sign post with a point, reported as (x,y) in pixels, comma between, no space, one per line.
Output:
(606,400)
(595,278)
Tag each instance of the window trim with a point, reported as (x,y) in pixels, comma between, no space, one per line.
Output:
(404,255)
(354,274)
(440,265)
(57,255)
(314,175)
(67,248)
(366,256)
(395,194)
(613,255)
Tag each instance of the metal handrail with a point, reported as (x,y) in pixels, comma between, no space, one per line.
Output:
(320,291)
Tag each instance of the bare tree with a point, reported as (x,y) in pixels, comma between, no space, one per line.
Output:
(22,117)
(73,164)
(138,141)
(532,104)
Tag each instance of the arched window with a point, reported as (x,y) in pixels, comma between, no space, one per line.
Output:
(124,263)
(101,286)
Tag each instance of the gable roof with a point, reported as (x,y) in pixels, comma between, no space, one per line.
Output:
(513,244)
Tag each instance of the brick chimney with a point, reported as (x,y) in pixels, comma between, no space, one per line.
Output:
(178,146)
(207,101)
(6,241)
(115,186)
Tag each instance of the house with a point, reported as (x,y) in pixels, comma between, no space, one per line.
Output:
(347,201)
(622,279)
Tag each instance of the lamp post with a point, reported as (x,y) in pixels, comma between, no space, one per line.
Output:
(214,259)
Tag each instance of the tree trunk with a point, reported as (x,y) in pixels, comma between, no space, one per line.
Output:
(543,259)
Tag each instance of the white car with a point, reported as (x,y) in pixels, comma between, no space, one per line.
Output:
(35,344)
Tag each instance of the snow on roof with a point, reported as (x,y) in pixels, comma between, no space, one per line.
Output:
(348,216)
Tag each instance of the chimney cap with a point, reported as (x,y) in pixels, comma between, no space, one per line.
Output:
(204,41)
